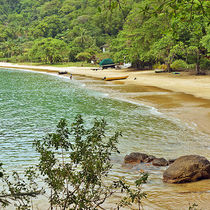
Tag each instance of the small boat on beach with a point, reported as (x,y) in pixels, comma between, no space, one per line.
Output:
(62,72)
(114,78)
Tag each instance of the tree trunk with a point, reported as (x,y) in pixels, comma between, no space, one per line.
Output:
(198,63)
(51,59)
(169,61)
(168,67)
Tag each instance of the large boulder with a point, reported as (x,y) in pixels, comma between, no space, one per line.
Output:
(135,158)
(187,168)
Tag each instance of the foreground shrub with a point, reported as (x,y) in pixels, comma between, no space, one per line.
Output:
(74,165)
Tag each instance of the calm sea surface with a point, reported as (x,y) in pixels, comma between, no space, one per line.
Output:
(31,104)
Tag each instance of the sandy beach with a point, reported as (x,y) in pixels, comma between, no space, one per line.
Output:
(184,96)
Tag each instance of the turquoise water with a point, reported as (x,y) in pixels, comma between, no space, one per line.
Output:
(31,104)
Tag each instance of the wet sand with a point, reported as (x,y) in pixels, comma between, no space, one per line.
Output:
(191,109)
(184,96)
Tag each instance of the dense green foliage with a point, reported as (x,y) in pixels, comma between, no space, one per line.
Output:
(164,31)
(25,24)
(139,31)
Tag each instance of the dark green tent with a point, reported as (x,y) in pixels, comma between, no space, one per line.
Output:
(106,61)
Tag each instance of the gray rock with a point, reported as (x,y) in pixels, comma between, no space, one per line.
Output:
(159,162)
(187,168)
(135,158)
(149,159)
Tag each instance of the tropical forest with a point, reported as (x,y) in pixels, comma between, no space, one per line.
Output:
(145,33)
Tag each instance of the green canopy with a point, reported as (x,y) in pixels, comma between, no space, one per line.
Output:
(106,61)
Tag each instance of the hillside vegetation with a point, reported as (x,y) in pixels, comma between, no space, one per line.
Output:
(144,32)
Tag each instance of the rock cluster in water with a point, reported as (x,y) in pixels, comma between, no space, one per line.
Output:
(184,169)
(136,158)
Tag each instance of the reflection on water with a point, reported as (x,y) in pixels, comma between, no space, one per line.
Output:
(31,104)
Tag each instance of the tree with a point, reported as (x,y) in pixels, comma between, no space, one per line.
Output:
(49,50)
(74,169)
(141,30)
(48,27)
(167,48)
(84,56)
(83,40)
(206,40)
(75,163)
(50,8)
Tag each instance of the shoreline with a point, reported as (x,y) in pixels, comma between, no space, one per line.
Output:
(186,97)
(173,105)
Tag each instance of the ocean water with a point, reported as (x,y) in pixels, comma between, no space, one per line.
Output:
(31,104)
